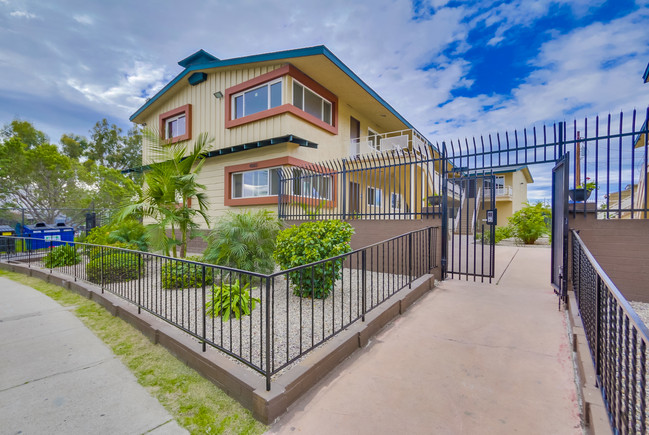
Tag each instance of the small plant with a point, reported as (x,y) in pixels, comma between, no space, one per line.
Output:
(501,234)
(531,222)
(588,185)
(179,274)
(230,299)
(310,242)
(64,255)
(244,241)
(129,232)
(115,267)
(308,210)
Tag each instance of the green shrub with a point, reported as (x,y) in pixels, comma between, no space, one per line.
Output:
(310,242)
(129,232)
(501,234)
(118,266)
(64,255)
(531,222)
(178,274)
(244,241)
(230,299)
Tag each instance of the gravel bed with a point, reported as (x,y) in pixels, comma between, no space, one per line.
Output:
(642,309)
(297,324)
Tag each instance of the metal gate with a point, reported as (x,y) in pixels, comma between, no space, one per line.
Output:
(559,259)
(470,218)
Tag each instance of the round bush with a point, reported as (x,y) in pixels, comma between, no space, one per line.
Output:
(310,242)
(179,274)
(118,266)
(64,255)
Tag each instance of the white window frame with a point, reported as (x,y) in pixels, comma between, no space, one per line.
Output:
(322,106)
(500,181)
(268,102)
(374,196)
(270,185)
(168,121)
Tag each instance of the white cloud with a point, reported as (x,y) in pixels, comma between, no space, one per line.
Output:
(121,98)
(83,19)
(23,14)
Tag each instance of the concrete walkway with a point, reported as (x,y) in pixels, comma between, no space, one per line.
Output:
(57,377)
(468,358)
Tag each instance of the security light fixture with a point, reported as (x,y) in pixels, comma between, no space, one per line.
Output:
(218,94)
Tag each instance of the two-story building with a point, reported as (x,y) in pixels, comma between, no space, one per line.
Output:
(280,110)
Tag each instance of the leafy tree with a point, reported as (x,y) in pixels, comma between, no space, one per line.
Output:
(74,146)
(531,222)
(25,132)
(244,241)
(36,176)
(171,185)
(108,147)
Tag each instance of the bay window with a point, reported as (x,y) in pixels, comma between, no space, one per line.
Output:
(257,100)
(310,102)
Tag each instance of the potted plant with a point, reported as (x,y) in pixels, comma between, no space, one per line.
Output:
(582,192)
(433,200)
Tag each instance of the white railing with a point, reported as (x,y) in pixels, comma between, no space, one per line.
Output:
(506,191)
(382,142)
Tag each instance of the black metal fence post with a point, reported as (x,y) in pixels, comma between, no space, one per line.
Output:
(101,255)
(204,313)
(363,283)
(598,325)
(51,243)
(410,260)
(268,336)
(139,284)
(344,189)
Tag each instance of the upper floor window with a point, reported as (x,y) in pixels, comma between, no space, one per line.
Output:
(312,103)
(175,126)
(257,99)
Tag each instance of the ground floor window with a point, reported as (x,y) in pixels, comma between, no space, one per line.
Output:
(252,184)
(395,201)
(374,196)
(312,185)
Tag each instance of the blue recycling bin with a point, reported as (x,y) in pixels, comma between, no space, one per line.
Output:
(41,235)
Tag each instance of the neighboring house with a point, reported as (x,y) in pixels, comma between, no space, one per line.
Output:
(510,193)
(274,111)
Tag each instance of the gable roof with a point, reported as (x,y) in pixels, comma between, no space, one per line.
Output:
(505,170)
(202,60)
(645,76)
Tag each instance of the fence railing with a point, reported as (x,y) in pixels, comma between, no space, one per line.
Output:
(396,184)
(618,341)
(196,297)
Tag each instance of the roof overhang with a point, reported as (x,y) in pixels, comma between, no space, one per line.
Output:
(645,76)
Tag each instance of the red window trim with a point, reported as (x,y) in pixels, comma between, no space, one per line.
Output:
(272,199)
(187,110)
(291,71)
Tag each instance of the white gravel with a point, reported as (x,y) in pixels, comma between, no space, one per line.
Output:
(297,323)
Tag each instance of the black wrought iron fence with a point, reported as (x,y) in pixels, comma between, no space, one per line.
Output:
(618,341)
(257,319)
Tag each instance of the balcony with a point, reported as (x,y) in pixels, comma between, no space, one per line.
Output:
(384,142)
(502,192)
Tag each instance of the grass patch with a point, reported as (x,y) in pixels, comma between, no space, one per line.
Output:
(196,404)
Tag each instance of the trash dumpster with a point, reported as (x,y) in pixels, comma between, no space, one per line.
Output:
(41,234)
(7,245)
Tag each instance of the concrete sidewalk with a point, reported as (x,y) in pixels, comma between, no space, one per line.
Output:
(57,377)
(468,358)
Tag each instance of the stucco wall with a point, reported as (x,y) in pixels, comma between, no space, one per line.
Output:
(620,247)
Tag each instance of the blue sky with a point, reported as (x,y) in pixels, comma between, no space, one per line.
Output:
(452,68)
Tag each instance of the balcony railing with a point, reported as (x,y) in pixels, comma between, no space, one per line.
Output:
(382,142)
(501,192)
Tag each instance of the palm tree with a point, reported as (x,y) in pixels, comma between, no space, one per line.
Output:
(170,184)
